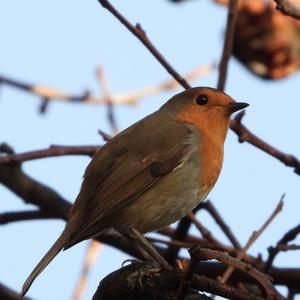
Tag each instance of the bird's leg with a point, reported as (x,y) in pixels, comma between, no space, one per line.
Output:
(147,248)
(132,237)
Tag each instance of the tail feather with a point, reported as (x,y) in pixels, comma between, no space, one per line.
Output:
(49,256)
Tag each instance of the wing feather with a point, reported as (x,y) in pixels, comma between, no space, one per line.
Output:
(110,184)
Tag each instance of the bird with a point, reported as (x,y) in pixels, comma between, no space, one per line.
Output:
(151,174)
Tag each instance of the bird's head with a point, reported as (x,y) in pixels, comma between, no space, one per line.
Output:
(206,108)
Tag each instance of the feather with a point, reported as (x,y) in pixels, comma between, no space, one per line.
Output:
(49,256)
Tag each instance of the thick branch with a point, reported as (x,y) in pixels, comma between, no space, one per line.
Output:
(33,192)
(17,216)
(145,281)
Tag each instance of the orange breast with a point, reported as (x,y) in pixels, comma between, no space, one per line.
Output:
(211,147)
(211,157)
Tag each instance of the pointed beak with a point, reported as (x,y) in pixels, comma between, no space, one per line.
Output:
(236,106)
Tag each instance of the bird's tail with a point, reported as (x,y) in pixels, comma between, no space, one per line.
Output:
(49,256)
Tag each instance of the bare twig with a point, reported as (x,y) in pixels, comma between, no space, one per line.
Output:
(109,101)
(10,217)
(273,251)
(288,8)
(141,35)
(228,42)
(133,97)
(45,92)
(288,247)
(106,137)
(255,235)
(90,259)
(53,150)
(126,98)
(204,231)
(208,205)
(246,135)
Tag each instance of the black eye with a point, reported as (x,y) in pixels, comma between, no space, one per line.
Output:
(201,100)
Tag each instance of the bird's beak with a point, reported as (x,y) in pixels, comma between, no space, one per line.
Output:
(236,106)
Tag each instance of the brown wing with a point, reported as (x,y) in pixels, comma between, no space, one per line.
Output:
(124,169)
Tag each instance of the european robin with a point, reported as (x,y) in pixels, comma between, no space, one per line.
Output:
(151,174)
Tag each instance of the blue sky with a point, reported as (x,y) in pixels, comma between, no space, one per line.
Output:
(60,43)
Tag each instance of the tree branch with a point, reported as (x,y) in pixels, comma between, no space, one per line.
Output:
(52,151)
(245,135)
(207,254)
(210,208)
(228,42)
(17,216)
(273,251)
(141,35)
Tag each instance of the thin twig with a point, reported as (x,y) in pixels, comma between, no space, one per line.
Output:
(255,235)
(228,42)
(109,101)
(204,231)
(53,150)
(273,251)
(210,208)
(141,35)
(245,135)
(48,94)
(290,247)
(106,137)
(45,92)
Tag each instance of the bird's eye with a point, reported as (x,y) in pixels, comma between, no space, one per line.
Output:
(201,100)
